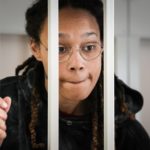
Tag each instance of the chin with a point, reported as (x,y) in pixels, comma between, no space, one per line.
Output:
(76,91)
(76,96)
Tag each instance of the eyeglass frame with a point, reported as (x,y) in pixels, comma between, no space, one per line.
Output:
(79,49)
(46,48)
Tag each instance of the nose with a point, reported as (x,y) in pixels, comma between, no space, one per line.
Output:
(76,62)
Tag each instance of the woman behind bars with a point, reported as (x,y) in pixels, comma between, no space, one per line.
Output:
(80,88)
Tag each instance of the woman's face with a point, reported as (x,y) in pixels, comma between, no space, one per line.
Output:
(77,76)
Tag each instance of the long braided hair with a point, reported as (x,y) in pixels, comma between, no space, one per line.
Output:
(35,17)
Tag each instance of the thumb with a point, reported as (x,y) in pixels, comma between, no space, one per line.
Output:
(8,101)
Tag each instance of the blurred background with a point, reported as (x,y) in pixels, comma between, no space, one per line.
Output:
(132,44)
(132,49)
(14,48)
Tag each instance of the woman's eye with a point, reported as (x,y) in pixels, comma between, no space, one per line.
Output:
(62,49)
(89,48)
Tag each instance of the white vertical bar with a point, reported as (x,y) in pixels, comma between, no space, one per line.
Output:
(109,75)
(53,75)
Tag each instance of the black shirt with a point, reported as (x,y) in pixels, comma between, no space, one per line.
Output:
(75,132)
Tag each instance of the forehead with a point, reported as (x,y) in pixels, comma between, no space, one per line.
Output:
(78,21)
(74,13)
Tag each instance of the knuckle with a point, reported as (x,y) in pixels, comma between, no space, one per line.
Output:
(3,114)
(3,104)
(2,125)
(2,134)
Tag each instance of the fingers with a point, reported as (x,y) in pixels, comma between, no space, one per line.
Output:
(5,103)
(2,135)
(2,125)
(3,114)
(8,101)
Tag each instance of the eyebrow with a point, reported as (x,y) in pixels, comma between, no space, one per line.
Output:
(87,34)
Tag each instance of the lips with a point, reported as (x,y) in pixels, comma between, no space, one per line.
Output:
(76,82)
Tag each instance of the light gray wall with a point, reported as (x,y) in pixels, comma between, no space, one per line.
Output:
(132,49)
(140,17)
(12,16)
(145,79)
(14,47)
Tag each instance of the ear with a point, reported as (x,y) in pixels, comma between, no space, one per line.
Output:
(35,50)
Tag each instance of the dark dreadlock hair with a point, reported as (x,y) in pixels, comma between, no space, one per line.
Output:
(35,17)
(95,7)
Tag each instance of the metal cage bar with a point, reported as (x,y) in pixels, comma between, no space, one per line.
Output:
(109,74)
(53,92)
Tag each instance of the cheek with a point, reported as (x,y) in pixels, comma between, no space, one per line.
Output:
(95,70)
(61,71)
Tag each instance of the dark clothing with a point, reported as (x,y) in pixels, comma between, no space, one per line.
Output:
(19,116)
(75,132)
(132,136)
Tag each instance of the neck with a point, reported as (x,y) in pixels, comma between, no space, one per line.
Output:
(73,107)
(68,107)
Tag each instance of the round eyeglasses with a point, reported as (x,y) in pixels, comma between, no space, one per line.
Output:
(88,51)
